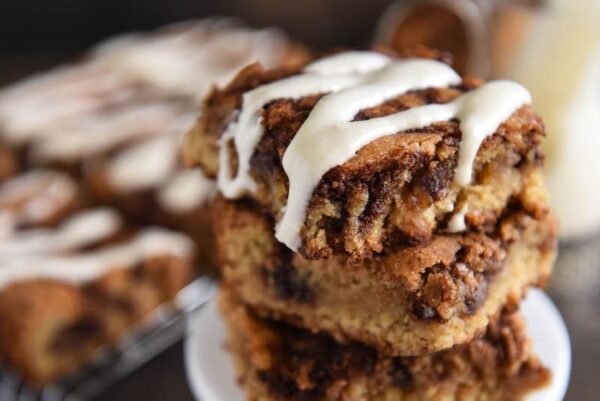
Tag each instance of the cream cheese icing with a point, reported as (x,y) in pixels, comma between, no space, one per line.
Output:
(82,268)
(28,108)
(189,57)
(457,222)
(34,197)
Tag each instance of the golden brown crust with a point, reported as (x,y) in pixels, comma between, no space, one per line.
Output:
(276,361)
(128,296)
(399,187)
(408,300)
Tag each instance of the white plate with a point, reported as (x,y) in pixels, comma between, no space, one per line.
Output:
(211,375)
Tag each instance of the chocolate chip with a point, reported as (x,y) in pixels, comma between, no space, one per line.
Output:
(289,285)
(401,375)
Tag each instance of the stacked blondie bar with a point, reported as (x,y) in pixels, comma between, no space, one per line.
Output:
(378,222)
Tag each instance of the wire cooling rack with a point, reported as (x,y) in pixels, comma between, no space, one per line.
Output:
(165,327)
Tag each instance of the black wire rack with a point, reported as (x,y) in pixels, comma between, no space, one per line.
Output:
(165,327)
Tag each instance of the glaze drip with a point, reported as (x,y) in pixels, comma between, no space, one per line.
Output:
(81,230)
(327,75)
(82,268)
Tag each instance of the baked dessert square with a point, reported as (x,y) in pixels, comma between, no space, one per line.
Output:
(75,278)
(46,213)
(57,311)
(275,361)
(378,219)
(358,151)
(410,300)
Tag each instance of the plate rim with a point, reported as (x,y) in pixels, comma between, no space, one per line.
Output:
(541,315)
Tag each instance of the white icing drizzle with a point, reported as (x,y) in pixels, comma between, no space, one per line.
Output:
(86,267)
(190,57)
(34,197)
(183,59)
(7,223)
(328,137)
(80,230)
(457,222)
(105,131)
(154,165)
(151,162)
(145,165)
(186,191)
(356,62)
(246,130)
(60,252)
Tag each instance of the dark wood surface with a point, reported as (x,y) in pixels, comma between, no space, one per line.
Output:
(73,25)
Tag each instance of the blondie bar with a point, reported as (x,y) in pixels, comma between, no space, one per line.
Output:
(410,300)
(276,361)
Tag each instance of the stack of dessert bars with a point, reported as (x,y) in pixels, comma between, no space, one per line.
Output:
(100,223)
(398,279)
